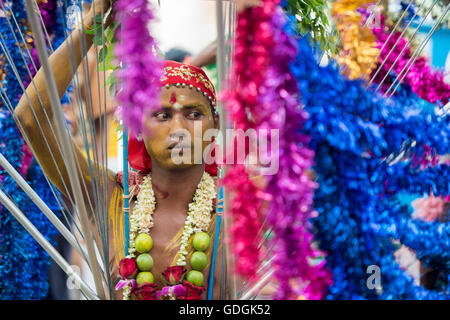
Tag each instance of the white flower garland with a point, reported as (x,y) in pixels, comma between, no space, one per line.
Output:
(198,216)
(141,219)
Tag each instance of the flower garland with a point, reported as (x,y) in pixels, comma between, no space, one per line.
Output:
(142,68)
(359,51)
(141,221)
(352,129)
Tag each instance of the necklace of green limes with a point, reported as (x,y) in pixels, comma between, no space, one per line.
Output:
(197,222)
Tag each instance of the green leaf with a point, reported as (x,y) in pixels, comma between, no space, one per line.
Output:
(98,19)
(109,58)
(111,31)
(102,54)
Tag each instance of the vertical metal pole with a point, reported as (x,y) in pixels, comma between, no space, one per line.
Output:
(219,206)
(66,142)
(126,204)
(224,124)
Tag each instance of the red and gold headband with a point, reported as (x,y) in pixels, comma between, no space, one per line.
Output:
(182,76)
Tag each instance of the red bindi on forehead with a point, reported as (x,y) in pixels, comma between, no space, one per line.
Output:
(173,98)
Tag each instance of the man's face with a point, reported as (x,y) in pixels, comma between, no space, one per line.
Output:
(170,129)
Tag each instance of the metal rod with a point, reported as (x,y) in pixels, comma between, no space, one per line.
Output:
(22,219)
(387,40)
(415,56)
(65,141)
(41,204)
(126,206)
(255,289)
(216,243)
(224,124)
(404,47)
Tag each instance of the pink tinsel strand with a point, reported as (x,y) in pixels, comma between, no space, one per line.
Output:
(424,81)
(267,90)
(292,190)
(251,58)
(139,92)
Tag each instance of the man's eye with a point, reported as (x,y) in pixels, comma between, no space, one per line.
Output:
(194,115)
(162,115)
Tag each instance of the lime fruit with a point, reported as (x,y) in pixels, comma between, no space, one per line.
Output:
(199,261)
(195,277)
(143,243)
(144,277)
(144,262)
(201,241)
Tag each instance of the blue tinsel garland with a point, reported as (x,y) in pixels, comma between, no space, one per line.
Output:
(23,263)
(353,129)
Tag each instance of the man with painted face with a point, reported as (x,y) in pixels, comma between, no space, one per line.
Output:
(187,101)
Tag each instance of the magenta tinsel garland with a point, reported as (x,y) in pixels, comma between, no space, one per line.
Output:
(292,190)
(251,58)
(424,81)
(263,85)
(139,78)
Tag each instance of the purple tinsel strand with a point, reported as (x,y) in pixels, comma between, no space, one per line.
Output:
(142,68)
(292,189)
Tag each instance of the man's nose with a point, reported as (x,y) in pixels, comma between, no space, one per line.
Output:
(177,126)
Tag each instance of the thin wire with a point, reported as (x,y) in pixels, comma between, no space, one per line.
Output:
(404,48)
(95,181)
(390,35)
(11,109)
(40,99)
(102,168)
(416,54)
(66,142)
(81,124)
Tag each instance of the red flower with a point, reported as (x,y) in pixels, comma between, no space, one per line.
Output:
(128,268)
(146,291)
(174,275)
(192,292)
